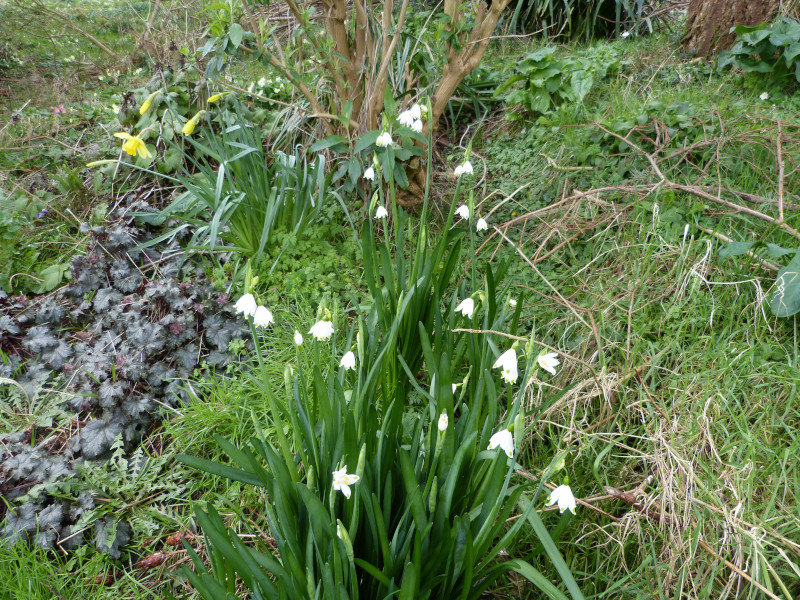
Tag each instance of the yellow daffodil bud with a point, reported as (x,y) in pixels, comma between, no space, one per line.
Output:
(192,123)
(214,98)
(148,102)
(97,163)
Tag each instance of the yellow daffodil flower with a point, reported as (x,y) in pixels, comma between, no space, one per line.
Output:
(133,145)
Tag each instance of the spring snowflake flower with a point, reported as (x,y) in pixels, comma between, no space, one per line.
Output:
(463,212)
(262,317)
(348,361)
(342,480)
(548,362)
(133,145)
(624,34)
(563,496)
(455,387)
(512,303)
(298,338)
(369,174)
(507,363)
(246,305)
(443,421)
(322,330)
(384,139)
(764,96)
(417,126)
(466,308)
(381,213)
(465,169)
(481,225)
(408,118)
(503,439)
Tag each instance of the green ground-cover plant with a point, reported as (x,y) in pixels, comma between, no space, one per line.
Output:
(769,49)
(549,81)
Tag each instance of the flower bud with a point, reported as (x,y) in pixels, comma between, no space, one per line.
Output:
(432,496)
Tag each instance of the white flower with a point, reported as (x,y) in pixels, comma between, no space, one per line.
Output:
(764,96)
(465,169)
(455,387)
(342,480)
(384,139)
(247,305)
(503,439)
(381,213)
(417,126)
(624,34)
(321,330)
(563,495)
(466,308)
(512,303)
(463,211)
(298,338)
(369,174)
(443,421)
(405,118)
(508,363)
(416,111)
(348,361)
(548,362)
(481,225)
(262,317)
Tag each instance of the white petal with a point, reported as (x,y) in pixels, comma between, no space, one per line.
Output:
(463,211)
(381,213)
(417,126)
(369,174)
(466,308)
(246,305)
(482,225)
(467,167)
(443,421)
(348,361)
(415,111)
(503,439)
(346,491)
(262,317)
(548,362)
(322,330)
(298,338)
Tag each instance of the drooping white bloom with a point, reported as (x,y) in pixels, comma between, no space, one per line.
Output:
(443,421)
(508,365)
(369,174)
(563,496)
(246,305)
(416,111)
(342,480)
(463,212)
(624,34)
(455,387)
(384,139)
(298,338)
(466,308)
(405,118)
(764,96)
(548,362)
(503,439)
(381,213)
(322,330)
(512,303)
(262,317)
(348,361)
(481,225)
(417,126)
(465,169)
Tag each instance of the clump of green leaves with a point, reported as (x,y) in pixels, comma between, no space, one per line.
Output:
(769,49)
(548,81)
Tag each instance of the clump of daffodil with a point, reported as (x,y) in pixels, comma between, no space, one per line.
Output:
(148,102)
(133,145)
(188,128)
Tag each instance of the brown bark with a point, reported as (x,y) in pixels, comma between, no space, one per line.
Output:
(709,22)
